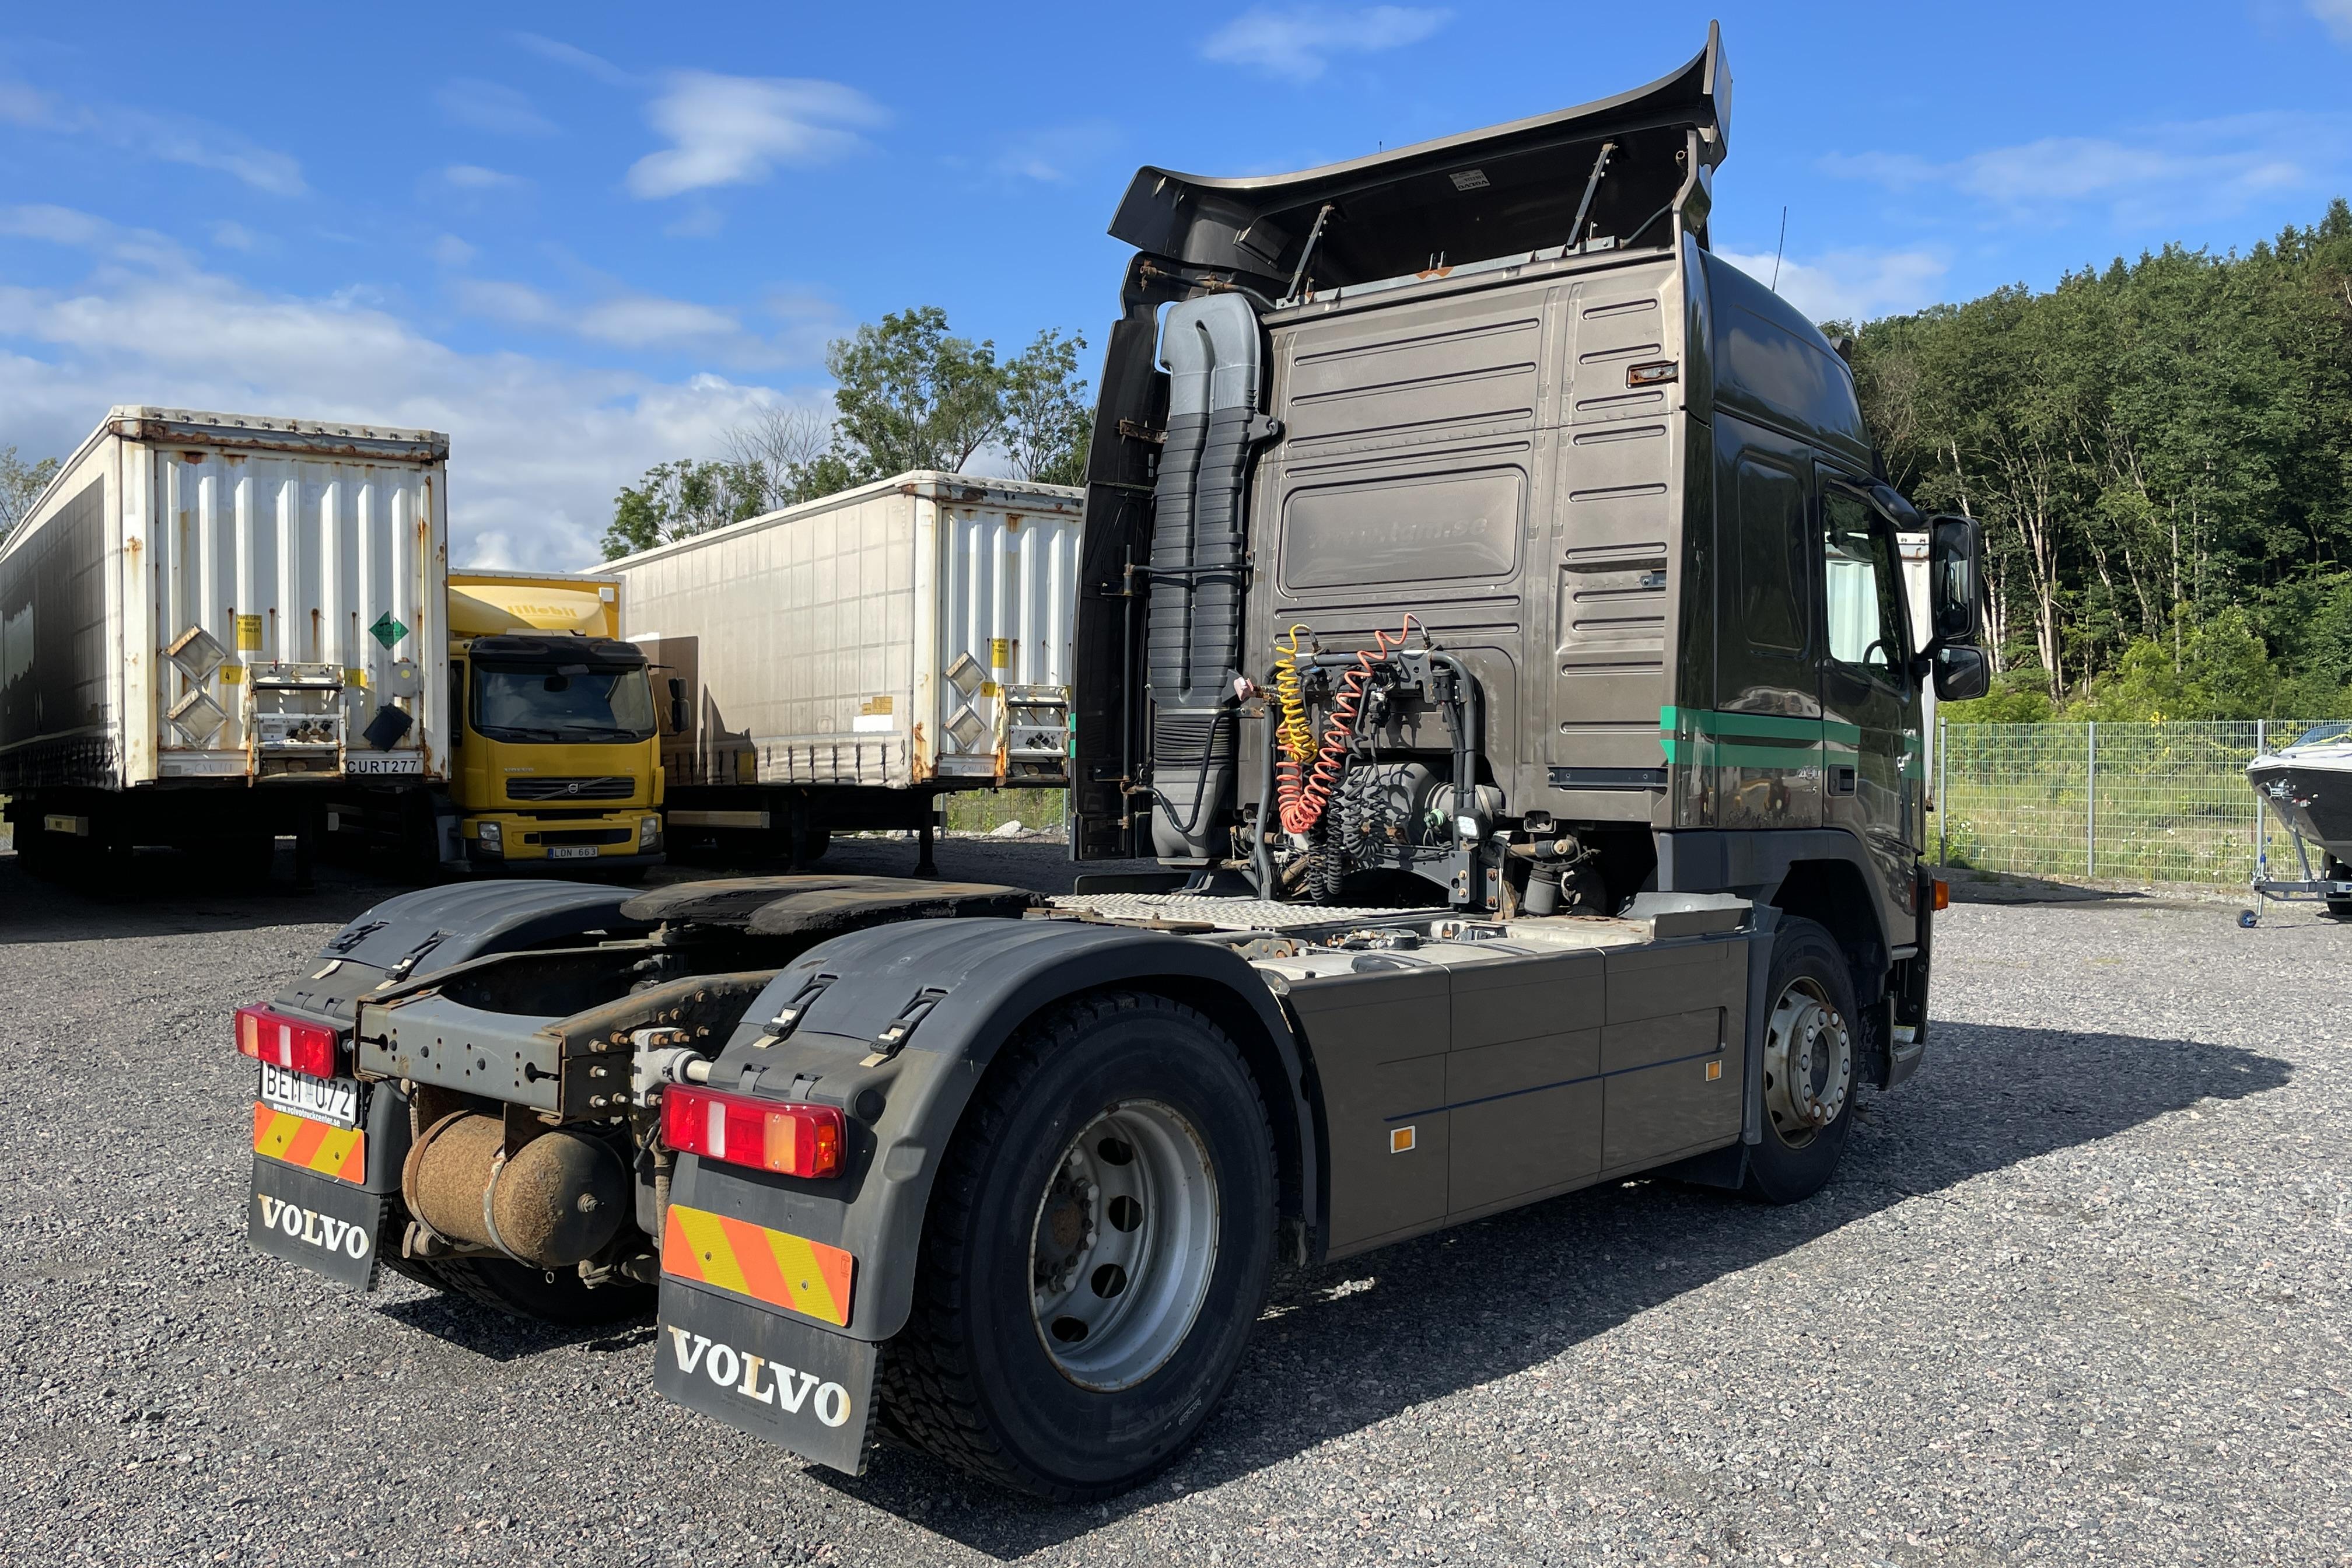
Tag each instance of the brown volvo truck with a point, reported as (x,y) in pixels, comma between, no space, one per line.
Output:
(1491,617)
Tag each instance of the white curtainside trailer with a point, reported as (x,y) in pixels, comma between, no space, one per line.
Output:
(207,618)
(840,663)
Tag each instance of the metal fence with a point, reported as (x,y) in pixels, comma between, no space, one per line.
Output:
(2149,803)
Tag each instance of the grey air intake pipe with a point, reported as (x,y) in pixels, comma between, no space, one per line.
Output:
(1214,351)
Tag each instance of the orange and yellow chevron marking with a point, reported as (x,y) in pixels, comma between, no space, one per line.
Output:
(769,1265)
(337,1152)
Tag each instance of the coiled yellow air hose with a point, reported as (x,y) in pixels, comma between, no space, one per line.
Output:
(1297,732)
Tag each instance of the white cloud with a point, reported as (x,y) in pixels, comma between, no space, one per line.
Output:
(2336,16)
(1051,154)
(641,322)
(493,107)
(1850,284)
(232,236)
(645,321)
(168,138)
(1298,43)
(517,304)
(2165,173)
(733,130)
(578,59)
(699,220)
(537,448)
(474,177)
(450,251)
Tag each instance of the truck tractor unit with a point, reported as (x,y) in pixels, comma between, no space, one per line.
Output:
(1490,615)
(553,753)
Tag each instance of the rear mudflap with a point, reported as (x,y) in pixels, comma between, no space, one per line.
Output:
(303,1217)
(776,1377)
(337,1188)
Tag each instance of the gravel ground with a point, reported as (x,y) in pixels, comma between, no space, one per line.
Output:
(2077,1296)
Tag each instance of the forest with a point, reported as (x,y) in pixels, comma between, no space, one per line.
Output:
(2161,455)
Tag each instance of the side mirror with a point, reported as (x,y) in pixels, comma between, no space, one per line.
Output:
(676,706)
(1962,672)
(1954,581)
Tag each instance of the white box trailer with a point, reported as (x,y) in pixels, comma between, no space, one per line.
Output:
(840,663)
(207,619)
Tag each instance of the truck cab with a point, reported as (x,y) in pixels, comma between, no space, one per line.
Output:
(554,747)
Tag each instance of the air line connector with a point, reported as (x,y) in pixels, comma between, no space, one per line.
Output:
(661,1059)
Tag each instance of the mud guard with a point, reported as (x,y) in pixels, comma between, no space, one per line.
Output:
(897,1024)
(765,1374)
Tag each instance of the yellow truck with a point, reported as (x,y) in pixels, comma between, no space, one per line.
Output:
(555,757)
(554,748)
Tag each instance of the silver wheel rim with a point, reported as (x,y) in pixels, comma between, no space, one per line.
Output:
(1808,1062)
(1123,1245)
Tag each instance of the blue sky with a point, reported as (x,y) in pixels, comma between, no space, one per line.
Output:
(581,239)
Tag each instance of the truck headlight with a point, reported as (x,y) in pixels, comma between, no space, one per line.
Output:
(649,833)
(492,840)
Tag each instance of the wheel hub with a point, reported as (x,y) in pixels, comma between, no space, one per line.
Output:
(1124,1244)
(1808,1062)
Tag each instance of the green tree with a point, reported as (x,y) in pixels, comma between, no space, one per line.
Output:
(912,395)
(2151,448)
(677,500)
(1048,418)
(21,484)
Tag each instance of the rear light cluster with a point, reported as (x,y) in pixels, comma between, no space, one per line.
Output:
(291,1043)
(765,1134)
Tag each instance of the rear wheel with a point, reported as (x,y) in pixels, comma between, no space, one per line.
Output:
(1812,1033)
(2335,870)
(1098,1249)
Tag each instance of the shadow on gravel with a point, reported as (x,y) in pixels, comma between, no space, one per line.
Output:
(1361,1342)
(164,894)
(490,1333)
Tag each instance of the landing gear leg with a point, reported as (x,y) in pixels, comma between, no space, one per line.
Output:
(924,865)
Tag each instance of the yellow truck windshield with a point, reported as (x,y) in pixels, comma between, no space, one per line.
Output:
(568,702)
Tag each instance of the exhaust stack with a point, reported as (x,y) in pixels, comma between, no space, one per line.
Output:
(1215,352)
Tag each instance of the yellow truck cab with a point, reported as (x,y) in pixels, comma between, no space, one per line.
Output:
(555,755)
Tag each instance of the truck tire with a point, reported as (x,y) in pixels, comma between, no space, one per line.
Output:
(546,1296)
(1098,1246)
(1811,1052)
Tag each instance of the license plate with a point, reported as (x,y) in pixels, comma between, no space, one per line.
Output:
(371,766)
(571,852)
(334,1101)
(317,1223)
(795,1384)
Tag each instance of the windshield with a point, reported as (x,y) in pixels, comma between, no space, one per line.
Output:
(568,702)
(2326,735)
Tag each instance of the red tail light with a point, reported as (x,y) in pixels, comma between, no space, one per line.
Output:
(289,1043)
(765,1134)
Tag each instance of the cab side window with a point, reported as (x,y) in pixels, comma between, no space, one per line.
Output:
(1862,589)
(1771,558)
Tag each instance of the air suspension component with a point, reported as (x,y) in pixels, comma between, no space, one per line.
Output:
(552,1203)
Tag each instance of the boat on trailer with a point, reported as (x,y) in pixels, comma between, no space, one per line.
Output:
(2307,785)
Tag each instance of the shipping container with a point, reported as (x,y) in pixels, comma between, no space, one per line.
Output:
(207,602)
(909,636)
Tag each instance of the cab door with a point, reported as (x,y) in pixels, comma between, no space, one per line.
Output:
(1871,749)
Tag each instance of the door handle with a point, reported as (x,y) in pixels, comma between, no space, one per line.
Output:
(1842,780)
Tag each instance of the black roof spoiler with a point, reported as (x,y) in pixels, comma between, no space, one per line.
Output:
(1473,196)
